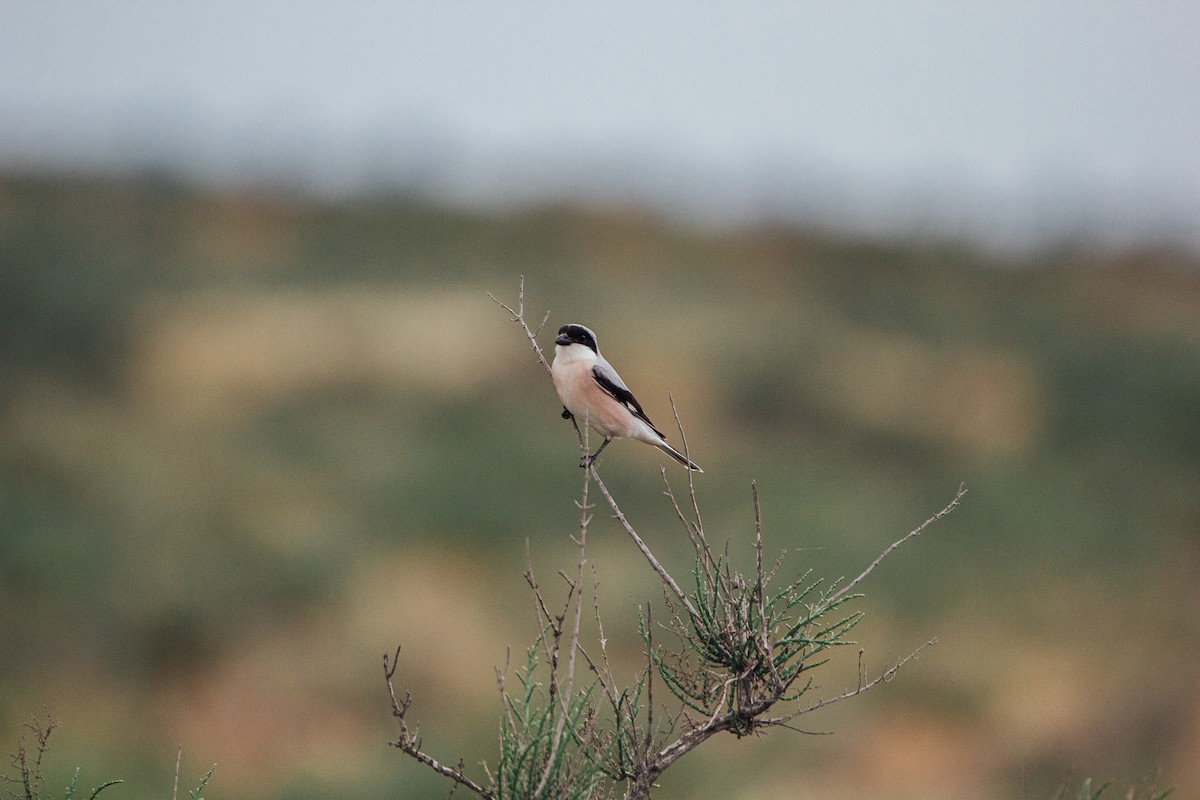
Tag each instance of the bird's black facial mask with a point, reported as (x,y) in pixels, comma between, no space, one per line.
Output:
(576,334)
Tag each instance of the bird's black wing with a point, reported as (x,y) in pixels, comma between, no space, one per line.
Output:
(611,383)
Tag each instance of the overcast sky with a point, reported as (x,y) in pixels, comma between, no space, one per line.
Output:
(993,119)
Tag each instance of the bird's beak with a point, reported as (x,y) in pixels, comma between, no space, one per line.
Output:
(563,339)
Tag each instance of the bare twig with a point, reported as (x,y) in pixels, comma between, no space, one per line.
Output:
(575,595)
(760,587)
(518,316)
(707,562)
(953,504)
(883,677)
(409,742)
(691,475)
(649,740)
(500,685)
(545,620)
(641,545)
(603,641)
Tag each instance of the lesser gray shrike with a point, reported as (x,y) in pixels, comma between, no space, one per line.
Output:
(593,392)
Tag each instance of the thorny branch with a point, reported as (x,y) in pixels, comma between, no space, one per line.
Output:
(575,594)
(29,779)
(641,544)
(745,647)
(29,764)
(409,742)
(518,316)
(953,504)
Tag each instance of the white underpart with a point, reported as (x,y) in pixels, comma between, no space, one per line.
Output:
(587,400)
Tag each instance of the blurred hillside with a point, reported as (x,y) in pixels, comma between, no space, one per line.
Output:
(249,442)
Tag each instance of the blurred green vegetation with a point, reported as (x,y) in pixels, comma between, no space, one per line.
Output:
(249,441)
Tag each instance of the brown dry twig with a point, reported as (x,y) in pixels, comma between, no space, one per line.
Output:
(409,741)
(518,316)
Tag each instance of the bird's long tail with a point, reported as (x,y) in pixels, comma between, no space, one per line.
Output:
(678,456)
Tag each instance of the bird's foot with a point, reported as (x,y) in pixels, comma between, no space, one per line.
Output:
(590,458)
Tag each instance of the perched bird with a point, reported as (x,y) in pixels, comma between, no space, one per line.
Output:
(592,391)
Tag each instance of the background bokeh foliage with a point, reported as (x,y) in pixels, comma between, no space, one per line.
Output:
(250,440)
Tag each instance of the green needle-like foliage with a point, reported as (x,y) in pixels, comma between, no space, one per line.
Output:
(748,642)
(530,764)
